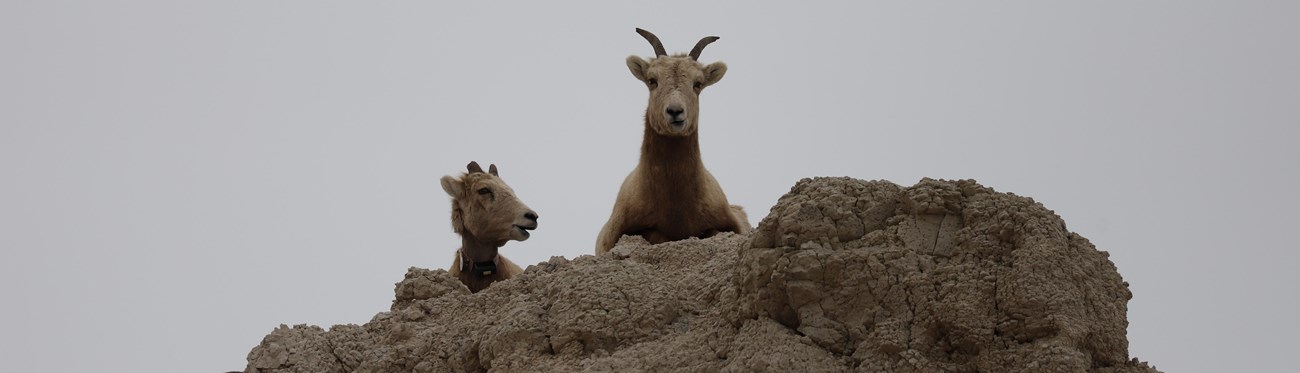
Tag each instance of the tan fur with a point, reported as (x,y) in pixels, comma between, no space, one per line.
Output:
(670,196)
(487,214)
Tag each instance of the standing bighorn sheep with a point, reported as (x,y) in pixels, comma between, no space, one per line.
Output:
(669,196)
(486,213)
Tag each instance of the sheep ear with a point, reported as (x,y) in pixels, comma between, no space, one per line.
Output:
(473,167)
(492,169)
(452,186)
(714,72)
(637,65)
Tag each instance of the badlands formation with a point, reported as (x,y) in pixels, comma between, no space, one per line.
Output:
(842,275)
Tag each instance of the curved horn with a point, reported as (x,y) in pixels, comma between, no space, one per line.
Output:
(473,167)
(699,47)
(654,42)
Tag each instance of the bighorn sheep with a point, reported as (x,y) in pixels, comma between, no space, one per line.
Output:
(486,213)
(669,196)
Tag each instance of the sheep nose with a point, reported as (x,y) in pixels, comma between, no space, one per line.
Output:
(530,216)
(674,112)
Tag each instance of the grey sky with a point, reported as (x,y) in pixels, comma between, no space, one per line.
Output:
(179,179)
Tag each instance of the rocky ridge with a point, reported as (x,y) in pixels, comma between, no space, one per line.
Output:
(842,275)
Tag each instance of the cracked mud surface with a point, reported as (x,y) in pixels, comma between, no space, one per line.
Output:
(842,275)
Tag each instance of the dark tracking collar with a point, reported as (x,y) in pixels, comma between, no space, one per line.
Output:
(484,268)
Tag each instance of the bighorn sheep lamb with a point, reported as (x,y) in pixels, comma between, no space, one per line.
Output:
(669,196)
(486,213)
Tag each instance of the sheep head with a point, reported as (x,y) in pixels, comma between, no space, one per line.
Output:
(675,83)
(485,208)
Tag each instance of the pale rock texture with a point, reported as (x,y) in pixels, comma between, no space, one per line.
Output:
(842,275)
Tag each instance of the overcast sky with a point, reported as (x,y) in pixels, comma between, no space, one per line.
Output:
(181,178)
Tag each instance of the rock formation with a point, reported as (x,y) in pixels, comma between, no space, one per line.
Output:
(842,275)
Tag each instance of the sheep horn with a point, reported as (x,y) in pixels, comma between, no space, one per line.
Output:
(493,170)
(473,167)
(654,42)
(699,47)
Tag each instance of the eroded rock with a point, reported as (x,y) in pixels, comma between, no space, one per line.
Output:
(842,275)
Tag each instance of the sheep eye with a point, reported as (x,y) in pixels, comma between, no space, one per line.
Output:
(484,191)
(699,86)
(653,82)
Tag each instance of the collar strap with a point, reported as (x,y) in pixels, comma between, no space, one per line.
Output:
(484,268)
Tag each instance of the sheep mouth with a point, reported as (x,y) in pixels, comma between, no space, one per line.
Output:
(524,230)
(678,123)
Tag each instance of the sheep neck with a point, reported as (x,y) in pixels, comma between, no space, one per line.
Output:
(674,161)
(477,251)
